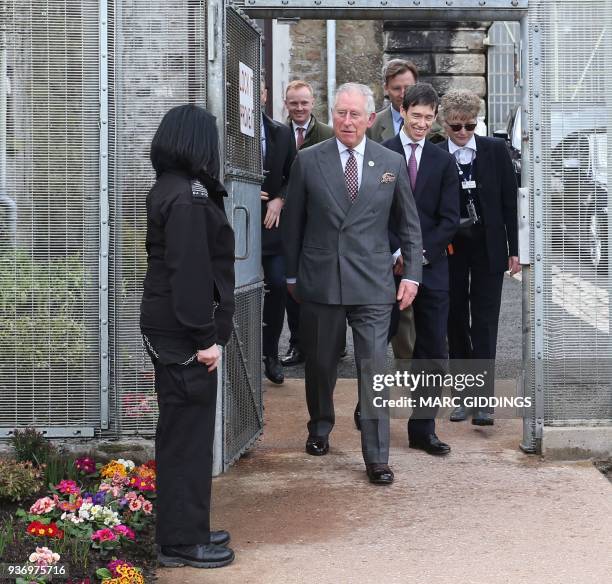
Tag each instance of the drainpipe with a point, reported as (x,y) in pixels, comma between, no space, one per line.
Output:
(331,67)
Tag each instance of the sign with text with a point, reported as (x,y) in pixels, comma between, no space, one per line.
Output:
(247,115)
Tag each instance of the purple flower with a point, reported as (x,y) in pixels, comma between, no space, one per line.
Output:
(99,498)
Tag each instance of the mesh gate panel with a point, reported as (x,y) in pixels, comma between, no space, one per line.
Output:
(243,153)
(502,73)
(49,185)
(576,82)
(158,60)
(243,407)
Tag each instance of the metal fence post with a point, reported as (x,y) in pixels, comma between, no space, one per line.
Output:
(538,236)
(104,219)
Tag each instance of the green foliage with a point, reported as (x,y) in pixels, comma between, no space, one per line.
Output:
(59,467)
(19,480)
(29,444)
(7,535)
(41,306)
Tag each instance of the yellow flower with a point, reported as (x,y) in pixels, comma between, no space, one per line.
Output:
(112,468)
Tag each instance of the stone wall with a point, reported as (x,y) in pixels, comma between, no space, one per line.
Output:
(359,56)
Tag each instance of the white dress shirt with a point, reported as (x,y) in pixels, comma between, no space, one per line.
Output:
(406,141)
(463,154)
(296,126)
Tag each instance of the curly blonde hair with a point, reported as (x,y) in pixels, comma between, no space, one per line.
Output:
(460,104)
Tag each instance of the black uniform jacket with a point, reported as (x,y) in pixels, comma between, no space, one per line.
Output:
(497,194)
(190,264)
(280,152)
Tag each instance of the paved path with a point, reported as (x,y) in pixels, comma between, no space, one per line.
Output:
(486,514)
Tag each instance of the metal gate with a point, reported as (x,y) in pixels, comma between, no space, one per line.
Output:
(83,83)
(83,86)
(571,111)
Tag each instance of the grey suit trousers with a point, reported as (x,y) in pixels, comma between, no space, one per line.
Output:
(322,334)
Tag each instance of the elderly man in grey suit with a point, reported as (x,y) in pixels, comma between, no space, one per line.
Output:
(340,196)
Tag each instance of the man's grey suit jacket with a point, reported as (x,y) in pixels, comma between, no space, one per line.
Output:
(382,129)
(338,250)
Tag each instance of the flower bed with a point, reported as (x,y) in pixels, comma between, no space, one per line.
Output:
(95,527)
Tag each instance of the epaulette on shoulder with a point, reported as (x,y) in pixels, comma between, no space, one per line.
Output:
(198,191)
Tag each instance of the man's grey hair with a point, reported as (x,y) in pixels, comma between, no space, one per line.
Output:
(361,89)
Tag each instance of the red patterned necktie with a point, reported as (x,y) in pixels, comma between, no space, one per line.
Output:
(412,166)
(351,176)
(300,137)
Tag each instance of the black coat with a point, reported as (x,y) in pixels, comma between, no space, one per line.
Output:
(190,264)
(497,194)
(280,152)
(437,199)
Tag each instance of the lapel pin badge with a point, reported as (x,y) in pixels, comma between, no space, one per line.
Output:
(371,163)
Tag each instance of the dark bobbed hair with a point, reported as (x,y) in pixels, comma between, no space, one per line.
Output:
(421,94)
(187,141)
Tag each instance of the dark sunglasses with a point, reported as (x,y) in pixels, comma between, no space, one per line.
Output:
(457,127)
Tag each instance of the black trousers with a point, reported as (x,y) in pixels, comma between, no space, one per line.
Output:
(430,353)
(187,398)
(274,303)
(475,301)
(293,320)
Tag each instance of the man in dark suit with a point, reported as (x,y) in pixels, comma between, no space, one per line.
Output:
(307,131)
(278,152)
(435,184)
(483,248)
(341,195)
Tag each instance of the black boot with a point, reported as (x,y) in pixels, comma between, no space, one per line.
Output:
(196,556)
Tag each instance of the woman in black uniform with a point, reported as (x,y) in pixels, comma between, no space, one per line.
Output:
(186,314)
(486,244)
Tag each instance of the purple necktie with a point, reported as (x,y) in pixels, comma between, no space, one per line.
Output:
(412,167)
(351,176)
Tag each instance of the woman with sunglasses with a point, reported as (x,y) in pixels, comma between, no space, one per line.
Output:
(485,246)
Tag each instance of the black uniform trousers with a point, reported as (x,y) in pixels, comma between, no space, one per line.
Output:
(430,354)
(475,301)
(293,320)
(187,399)
(274,302)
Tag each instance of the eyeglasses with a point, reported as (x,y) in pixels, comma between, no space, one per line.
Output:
(457,127)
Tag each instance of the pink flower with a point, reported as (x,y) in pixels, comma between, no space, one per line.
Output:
(85,465)
(135,505)
(42,506)
(43,557)
(104,535)
(147,507)
(125,531)
(131,495)
(67,487)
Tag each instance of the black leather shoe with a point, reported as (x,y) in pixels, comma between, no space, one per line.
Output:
(379,474)
(196,556)
(294,357)
(273,370)
(220,537)
(459,414)
(357,416)
(480,418)
(317,445)
(430,444)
